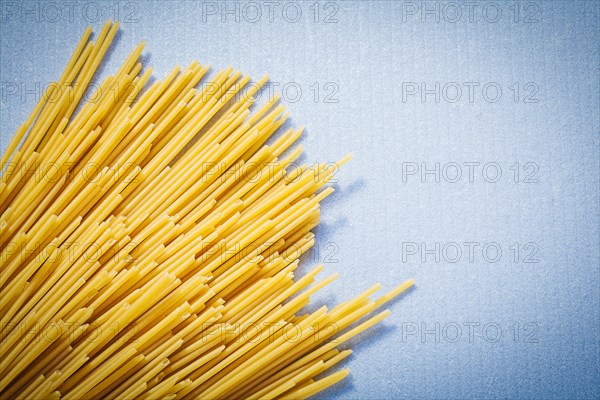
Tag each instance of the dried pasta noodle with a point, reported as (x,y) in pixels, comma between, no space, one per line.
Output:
(150,247)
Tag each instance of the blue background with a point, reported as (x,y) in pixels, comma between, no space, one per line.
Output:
(535,325)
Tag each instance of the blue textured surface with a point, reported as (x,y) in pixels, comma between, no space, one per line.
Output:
(367,61)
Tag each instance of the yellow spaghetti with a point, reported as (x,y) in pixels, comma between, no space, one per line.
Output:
(150,240)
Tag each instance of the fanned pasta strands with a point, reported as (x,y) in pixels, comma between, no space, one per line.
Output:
(150,242)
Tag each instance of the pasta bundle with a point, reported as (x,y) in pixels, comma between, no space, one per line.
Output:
(150,241)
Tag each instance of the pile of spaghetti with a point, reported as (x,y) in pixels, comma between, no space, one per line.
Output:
(150,239)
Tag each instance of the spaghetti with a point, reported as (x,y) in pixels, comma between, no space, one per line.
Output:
(150,243)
